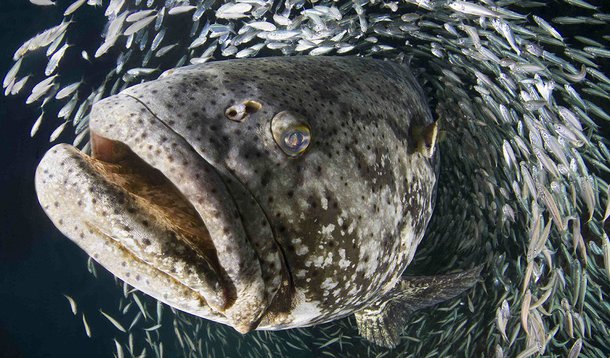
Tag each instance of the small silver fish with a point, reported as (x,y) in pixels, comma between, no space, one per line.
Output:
(54,60)
(139,25)
(73,7)
(12,73)
(41,89)
(43,2)
(41,40)
(233,11)
(181,9)
(68,90)
(19,84)
(139,15)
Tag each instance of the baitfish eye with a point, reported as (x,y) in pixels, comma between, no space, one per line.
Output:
(239,112)
(291,133)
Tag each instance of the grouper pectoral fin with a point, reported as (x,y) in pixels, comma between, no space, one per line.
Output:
(382,322)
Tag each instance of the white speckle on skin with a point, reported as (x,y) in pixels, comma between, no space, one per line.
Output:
(324,203)
(329,259)
(328,284)
(328,229)
(317,262)
(343,263)
(302,250)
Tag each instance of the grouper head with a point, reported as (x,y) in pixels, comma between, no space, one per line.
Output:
(262,193)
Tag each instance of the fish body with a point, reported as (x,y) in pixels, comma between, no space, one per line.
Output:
(265,193)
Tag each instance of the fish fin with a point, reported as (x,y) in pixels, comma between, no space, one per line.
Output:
(426,138)
(382,322)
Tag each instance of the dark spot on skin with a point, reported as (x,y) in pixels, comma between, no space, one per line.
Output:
(145,222)
(146,242)
(123,263)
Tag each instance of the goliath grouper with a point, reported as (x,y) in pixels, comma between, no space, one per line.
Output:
(263,193)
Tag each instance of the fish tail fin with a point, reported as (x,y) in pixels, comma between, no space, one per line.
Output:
(382,322)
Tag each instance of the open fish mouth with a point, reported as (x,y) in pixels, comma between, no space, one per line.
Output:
(156,214)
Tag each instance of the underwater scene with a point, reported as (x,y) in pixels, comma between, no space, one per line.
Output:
(365,178)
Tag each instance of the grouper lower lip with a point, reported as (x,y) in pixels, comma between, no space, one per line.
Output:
(156,214)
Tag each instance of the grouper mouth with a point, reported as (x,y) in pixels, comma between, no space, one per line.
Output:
(155,214)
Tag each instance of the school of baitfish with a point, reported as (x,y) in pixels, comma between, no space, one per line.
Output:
(521,97)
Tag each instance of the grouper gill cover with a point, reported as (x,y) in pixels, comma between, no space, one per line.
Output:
(514,111)
(262,193)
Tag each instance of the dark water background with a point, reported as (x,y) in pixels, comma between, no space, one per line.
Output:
(37,264)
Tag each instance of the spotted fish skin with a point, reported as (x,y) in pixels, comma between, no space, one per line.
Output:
(299,240)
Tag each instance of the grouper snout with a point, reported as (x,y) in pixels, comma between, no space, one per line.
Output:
(155,214)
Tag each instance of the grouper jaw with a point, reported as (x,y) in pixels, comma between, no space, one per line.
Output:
(155,214)
(124,231)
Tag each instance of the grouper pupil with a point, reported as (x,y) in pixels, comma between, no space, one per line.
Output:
(302,189)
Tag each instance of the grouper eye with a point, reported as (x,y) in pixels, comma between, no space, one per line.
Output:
(297,139)
(291,132)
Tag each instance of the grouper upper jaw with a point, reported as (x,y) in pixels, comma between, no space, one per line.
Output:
(156,214)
